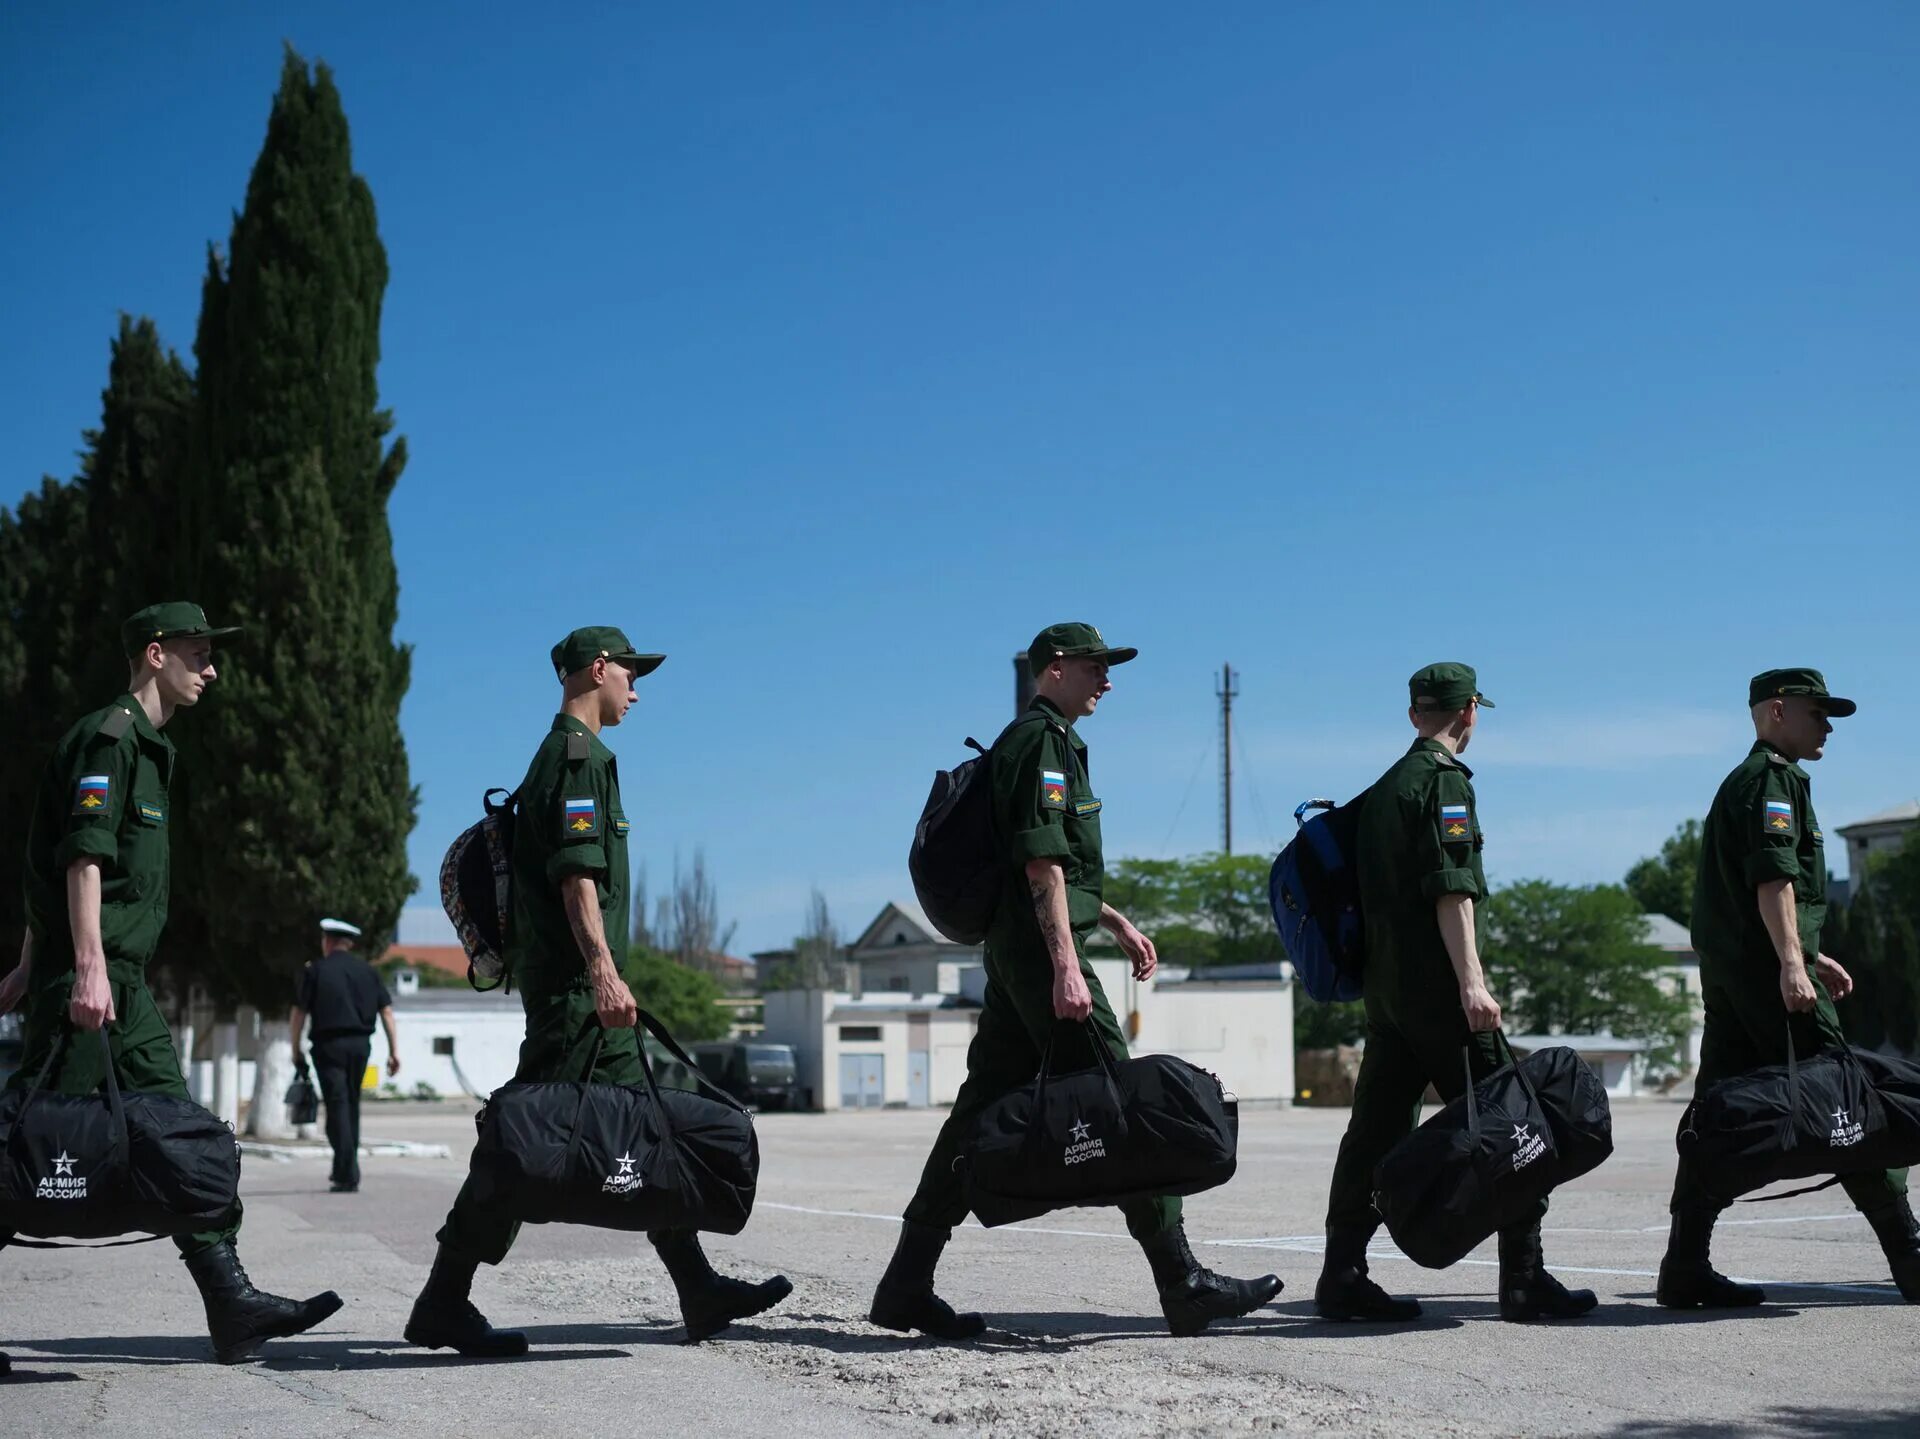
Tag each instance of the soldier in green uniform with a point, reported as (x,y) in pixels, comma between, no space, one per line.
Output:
(1048,821)
(566,952)
(96,891)
(1758,908)
(1419,870)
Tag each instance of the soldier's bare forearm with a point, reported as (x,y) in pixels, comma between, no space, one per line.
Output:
(83,916)
(581,900)
(1455,915)
(1780,912)
(1047,886)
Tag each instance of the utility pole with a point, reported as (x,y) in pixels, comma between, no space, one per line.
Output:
(1226,689)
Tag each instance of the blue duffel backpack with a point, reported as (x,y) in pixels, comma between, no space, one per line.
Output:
(1314,889)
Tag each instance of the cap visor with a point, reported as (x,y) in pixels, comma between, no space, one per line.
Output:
(1117,657)
(1836,707)
(641,664)
(1487,702)
(223,630)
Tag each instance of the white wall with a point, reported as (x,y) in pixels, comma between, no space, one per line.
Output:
(486,1041)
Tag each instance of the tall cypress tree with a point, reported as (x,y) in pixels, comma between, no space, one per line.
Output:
(297,795)
(75,560)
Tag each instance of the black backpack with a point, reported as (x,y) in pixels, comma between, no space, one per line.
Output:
(954,861)
(476,889)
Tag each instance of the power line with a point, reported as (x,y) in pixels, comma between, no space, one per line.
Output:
(1205,755)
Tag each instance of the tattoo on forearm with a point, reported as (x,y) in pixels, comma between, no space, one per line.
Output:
(590,943)
(1042,892)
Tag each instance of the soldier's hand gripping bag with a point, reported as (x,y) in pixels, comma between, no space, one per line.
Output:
(92,1166)
(1120,1130)
(1836,1113)
(619,1156)
(1486,1160)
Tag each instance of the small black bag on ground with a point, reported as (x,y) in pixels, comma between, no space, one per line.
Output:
(303,1100)
(619,1156)
(955,863)
(1839,1112)
(1126,1129)
(1487,1159)
(95,1165)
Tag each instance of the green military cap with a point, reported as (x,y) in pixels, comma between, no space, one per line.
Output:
(1076,640)
(1775,683)
(1446,687)
(172,620)
(584,646)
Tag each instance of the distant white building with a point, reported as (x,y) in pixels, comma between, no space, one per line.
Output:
(1876,834)
(901,1037)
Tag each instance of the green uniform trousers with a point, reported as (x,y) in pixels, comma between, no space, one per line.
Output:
(1015,1026)
(1746,1028)
(1403,1056)
(561,1030)
(143,1057)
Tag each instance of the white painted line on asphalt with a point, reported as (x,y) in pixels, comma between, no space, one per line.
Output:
(1317,1243)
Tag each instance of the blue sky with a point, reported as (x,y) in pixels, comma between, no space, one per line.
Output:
(836,349)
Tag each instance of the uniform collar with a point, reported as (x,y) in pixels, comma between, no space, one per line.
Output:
(1053,712)
(564,723)
(142,726)
(1760,746)
(1433,746)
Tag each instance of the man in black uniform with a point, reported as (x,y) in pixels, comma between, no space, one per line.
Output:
(342,995)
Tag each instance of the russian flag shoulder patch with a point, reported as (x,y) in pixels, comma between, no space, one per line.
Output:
(1053,789)
(92,793)
(580,818)
(1455,822)
(1776,816)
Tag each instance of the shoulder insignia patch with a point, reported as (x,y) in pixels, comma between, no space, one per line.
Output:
(1455,822)
(116,722)
(1053,789)
(91,794)
(1776,816)
(580,817)
(579,747)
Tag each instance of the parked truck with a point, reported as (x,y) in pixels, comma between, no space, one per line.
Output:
(757,1074)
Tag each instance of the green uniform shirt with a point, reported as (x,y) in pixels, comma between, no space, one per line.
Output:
(1761,827)
(570,821)
(1419,839)
(1043,808)
(104,794)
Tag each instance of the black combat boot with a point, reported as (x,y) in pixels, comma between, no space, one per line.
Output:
(1900,1241)
(1193,1296)
(709,1303)
(1688,1279)
(1527,1291)
(444,1317)
(239,1317)
(905,1299)
(1345,1291)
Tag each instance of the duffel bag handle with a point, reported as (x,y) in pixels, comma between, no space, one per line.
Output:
(1473,1104)
(1101,1056)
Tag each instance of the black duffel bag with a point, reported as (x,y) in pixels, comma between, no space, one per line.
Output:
(1840,1112)
(91,1166)
(1487,1160)
(1126,1129)
(619,1156)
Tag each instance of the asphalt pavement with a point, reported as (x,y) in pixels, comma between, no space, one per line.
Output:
(114,1342)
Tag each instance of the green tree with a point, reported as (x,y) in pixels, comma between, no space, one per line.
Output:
(295,779)
(1863,954)
(1205,910)
(1664,885)
(686,1000)
(1573,960)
